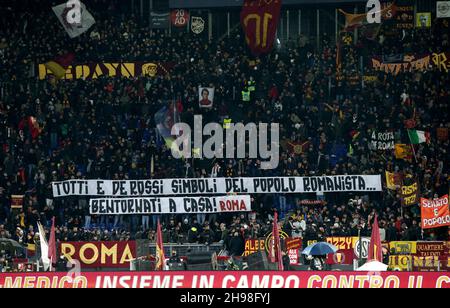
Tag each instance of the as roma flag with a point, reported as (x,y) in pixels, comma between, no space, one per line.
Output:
(435,213)
(259,19)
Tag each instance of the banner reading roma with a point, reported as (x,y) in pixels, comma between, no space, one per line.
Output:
(227,280)
(435,213)
(100,254)
(259,19)
(382,141)
(111,69)
(217,186)
(184,205)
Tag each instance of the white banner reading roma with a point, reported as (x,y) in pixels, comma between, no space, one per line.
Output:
(187,205)
(217,186)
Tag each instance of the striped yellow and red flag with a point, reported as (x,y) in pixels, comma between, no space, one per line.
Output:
(403,151)
(393,180)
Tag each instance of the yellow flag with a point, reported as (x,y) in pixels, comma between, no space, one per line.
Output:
(390,180)
(56,68)
(403,151)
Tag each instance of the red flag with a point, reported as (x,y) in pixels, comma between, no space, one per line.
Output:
(52,244)
(298,148)
(33,126)
(21,175)
(35,129)
(260,20)
(435,212)
(160,258)
(375,249)
(338,57)
(276,248)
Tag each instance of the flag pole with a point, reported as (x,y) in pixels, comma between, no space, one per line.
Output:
(411,144)
(401,199)
(360,248)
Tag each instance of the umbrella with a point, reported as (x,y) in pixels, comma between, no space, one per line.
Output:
(373,266)
(320,249)
(11,245)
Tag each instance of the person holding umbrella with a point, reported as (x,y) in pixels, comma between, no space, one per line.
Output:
(318,253)
(318,263)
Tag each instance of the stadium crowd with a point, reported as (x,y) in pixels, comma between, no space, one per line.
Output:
(105,128)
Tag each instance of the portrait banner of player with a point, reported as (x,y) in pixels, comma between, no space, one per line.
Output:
(423,20)
(206,97)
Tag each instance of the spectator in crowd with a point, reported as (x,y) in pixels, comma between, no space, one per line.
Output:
(236,245)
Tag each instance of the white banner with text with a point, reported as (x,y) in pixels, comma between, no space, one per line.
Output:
(217,186)
(177,205)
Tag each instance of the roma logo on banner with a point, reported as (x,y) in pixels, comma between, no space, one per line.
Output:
(435,213)
(259,19)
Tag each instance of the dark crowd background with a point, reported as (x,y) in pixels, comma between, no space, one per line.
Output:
(104,128)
